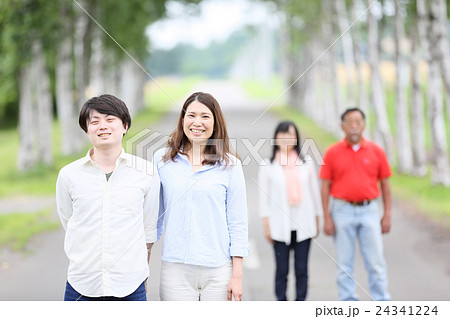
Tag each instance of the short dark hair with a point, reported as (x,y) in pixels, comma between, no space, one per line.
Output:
(105,104)
(352,109)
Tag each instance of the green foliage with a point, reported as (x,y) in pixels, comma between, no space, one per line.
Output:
(126,22)
(16,229)
(24,21)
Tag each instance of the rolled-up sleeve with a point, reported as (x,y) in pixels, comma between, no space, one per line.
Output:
(236,209)
(63,199)
(151,207)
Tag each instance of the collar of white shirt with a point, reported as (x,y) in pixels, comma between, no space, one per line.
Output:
(123,156)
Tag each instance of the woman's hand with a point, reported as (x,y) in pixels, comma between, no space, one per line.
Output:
(235,288)
(267,230)
(235,284)
(317,227)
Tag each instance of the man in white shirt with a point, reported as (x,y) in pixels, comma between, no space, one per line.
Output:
(108,204)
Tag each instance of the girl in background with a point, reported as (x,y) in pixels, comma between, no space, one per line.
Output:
(289,205)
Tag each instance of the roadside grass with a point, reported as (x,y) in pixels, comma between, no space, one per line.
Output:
(41,180)
(263,91)
(16,229)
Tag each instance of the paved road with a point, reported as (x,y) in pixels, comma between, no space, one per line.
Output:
(416,250)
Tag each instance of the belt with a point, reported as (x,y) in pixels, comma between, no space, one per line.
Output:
(363,203)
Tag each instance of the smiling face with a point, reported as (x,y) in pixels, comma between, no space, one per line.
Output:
(104,130)
(198,123)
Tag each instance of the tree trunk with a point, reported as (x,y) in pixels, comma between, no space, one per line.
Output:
(362,98)
(98,74)
(67,111)
(27,156)
(81,70)
(132,85)
(81,28)
(347,47)
(376,93)
(404,151)
(417,110)
(35,112)
(439,12)
(332,57)
(440,167)
(44,106)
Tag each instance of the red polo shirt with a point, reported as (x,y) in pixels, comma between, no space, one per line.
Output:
(354,175)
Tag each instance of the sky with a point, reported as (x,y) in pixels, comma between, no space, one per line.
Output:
(214,20)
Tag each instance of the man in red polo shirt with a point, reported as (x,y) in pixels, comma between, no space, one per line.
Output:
(353,167)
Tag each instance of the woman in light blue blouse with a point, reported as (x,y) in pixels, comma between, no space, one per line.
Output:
(203,207)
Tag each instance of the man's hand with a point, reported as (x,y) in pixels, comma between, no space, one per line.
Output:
(385,224)
(328,227)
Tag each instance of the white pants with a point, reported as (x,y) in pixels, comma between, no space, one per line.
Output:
(194,283)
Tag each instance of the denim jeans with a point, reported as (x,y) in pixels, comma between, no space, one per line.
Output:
(301,251)
(360,223)
(138,295)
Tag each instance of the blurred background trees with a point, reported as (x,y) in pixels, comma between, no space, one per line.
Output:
(390,57)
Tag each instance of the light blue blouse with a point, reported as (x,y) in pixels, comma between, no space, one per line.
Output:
(204,214)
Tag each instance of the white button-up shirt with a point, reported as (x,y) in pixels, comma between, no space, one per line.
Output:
(108,223)
(205,212)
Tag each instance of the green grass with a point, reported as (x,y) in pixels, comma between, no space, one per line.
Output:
(261,91)
(16,229)
(429,199)
(41,180)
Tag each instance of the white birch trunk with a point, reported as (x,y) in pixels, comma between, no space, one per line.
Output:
(81,69)
(361,97)
(331,56)
(139,96)
(81,28)
(67,111)
(44,106)
(376,93)
(417,109)
(440,173)
(439,11)
(27,156)
(132,85)
(404,150)
(347,48)
(97,83)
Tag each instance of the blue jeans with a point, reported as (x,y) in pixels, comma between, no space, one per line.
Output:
(138,295)
(360,223)
(301,250)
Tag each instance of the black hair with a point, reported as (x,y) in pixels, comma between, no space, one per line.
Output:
(104,104)
(352,109)
(283,127)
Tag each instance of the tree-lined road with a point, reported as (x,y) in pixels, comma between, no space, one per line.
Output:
(416,250)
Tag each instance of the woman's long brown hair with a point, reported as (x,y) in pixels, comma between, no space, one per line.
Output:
(218,145)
